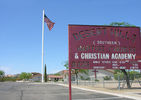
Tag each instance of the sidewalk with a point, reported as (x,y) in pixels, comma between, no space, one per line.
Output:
(134,93)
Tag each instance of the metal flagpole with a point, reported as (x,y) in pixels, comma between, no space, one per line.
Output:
(42,70)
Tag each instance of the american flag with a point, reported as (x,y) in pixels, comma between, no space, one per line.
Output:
(50,24)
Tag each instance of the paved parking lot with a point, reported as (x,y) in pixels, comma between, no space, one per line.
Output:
(29,91)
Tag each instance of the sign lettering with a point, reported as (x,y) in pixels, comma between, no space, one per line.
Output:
(104,47)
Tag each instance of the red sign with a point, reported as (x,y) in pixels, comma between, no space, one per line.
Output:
(104,47)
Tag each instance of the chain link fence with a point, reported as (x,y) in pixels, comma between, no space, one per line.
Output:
(135,82)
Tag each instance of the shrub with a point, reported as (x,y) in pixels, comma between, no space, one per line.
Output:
(8,79)
(107,78)
(97,80)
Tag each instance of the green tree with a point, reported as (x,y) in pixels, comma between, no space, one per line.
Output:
(2,73)
(45,74)
(76,71)
(121,24)
(123,70)
(25,75)
(132,75)
(66,65)
(118,73)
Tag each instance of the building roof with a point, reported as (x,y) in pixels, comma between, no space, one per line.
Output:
(34,74)
(54,76)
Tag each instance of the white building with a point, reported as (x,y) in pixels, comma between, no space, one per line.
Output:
(100,74)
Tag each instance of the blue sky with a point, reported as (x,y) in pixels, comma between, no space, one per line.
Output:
(21,26)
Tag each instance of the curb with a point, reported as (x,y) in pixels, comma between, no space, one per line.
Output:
(115,94)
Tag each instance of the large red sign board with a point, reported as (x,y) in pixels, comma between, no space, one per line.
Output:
(104,47)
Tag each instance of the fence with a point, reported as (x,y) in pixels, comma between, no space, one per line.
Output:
(120,83)
(108,84)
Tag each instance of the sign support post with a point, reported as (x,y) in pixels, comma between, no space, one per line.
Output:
(70,84)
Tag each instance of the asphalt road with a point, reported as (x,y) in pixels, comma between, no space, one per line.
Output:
(28,91)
